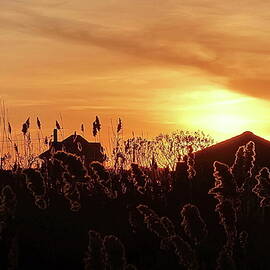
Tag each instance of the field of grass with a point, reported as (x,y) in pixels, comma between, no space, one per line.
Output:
(66,215)
(151,205)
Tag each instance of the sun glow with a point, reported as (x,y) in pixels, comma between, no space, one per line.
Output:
(227,123)
(223,113)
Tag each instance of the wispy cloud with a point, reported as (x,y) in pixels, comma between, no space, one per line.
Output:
(211,42)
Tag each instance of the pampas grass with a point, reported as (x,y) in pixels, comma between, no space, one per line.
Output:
(193,224)
(182,250)
(105,253)
(36,185)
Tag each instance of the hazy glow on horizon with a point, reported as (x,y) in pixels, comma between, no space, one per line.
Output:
(159,65)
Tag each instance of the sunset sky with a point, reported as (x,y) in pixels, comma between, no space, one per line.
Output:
(159,65)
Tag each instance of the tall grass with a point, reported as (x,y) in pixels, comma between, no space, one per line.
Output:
(134,201)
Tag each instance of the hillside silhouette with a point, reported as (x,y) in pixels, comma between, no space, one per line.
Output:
(225,151)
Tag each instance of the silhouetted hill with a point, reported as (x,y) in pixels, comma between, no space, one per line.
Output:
(225,152)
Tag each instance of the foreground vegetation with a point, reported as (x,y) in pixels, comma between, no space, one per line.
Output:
(65,215)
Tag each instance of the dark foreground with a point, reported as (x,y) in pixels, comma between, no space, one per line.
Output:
(64,216)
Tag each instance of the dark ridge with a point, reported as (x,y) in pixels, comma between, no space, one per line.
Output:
(225,151)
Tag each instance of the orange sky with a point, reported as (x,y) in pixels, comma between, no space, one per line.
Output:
(159,65)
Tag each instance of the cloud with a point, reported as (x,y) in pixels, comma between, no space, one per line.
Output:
(224,42)
(254,87)
(136,44)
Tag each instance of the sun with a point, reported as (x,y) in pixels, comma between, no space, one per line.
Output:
(222,125)
(221,113)
(227,123)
